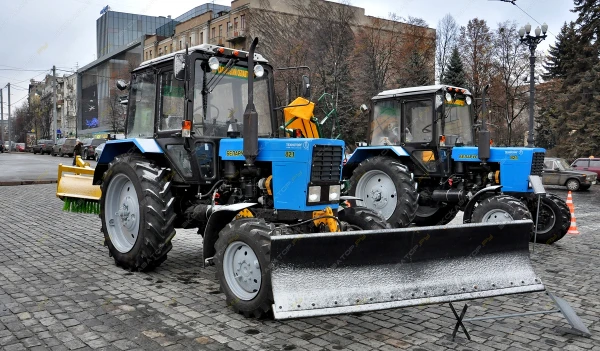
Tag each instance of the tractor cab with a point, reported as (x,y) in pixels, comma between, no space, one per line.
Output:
(426,121)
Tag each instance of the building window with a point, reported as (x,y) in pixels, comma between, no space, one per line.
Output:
(191,41)
(150,53)
(180,45)
(166,52)
(220,30)
(243,20)
(228,28)
(235,22)
(201,38)
(213,32)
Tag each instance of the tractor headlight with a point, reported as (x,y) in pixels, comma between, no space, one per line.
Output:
(334,192)
(259,71)
(448,97)
(213,63)
(314,194)
(468,100)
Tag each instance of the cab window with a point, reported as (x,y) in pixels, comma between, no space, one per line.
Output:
(418,117)
(581,163)
(141,107)
(385,128)
(171,102)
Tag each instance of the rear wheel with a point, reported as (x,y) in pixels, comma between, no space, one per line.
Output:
(385,185)
(85,155)
(242,258)
(361,218)
(500,209)
(137,212)
(572,184)
(554,219)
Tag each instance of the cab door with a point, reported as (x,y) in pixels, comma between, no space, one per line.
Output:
(551,175)
(417,132)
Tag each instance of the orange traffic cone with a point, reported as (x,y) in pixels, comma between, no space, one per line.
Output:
(573,228)
(570,201)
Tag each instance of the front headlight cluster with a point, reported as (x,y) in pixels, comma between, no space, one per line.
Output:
(314,193)
(591,178)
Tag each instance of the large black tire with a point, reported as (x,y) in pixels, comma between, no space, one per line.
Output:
(254,233)
(443,215)
(404,196)
(554,219)
(361,218)
(85,155)
(156,212)
(500,208)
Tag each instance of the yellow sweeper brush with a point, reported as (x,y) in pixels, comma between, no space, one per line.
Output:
(75,187)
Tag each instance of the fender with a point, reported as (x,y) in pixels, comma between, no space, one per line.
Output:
(115,148)
(219,218)
(468,212)
(362,153)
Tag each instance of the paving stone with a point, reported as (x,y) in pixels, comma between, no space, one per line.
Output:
(64,292)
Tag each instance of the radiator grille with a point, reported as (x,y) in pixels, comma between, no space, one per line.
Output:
(326,163)
(537,164)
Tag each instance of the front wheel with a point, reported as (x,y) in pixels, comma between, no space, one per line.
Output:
(554,219)
(85,155)
(361,218)
(500,209)
(430,215)
(242,258)
(385,185)
(573,184)
(137,212)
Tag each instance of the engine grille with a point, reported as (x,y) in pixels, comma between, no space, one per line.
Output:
(537,163)
(326,164)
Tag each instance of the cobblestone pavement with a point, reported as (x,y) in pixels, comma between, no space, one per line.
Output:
(59,290)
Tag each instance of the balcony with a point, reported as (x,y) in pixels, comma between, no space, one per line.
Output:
(216,41)
(234,35)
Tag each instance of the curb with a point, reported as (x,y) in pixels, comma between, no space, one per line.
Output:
(27,182)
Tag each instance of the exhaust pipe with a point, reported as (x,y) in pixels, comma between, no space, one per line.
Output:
(250,116)
(484,134)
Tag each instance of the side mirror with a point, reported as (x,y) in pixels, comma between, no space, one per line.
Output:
(306,87)
(122,85)
(364,108)
(179,66)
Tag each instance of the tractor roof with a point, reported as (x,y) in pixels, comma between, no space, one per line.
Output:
(207,48)
(415,90)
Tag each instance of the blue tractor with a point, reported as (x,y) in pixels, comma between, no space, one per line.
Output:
(421,166)
(203,151)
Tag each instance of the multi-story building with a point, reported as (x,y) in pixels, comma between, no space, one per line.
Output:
(69,106)
(118,29)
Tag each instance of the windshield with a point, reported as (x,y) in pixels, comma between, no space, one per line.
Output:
(385,128)
(221,98)
(563,165)
(458,122)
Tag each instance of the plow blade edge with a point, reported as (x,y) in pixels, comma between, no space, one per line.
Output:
(333,273)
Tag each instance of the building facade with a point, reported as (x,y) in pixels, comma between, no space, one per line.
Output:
(118,29)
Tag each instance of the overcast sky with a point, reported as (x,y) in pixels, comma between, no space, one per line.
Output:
(36,34)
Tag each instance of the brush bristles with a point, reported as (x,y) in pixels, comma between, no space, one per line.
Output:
(81,206)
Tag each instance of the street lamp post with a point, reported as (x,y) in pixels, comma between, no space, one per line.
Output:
(532,42)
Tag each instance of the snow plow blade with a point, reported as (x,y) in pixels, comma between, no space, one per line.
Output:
(75,187)
(334,273)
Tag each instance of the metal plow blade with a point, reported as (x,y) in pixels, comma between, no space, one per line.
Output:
(333,273)
(76,182)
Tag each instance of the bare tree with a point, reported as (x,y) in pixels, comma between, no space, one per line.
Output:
(446,39)
(476,48)
(510,64)
(377,48)
(415,65)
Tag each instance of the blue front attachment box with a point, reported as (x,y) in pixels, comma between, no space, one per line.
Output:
(292,161)
(515,164)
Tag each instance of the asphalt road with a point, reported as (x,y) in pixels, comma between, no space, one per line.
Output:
(25,166)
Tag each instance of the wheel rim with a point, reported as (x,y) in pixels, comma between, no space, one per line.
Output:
(572,185)
(546,219)
(122,213)
(378,192)
(242,270)
(497,216)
